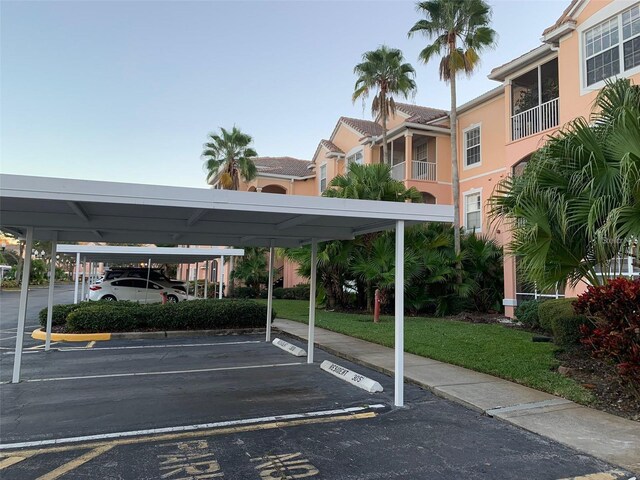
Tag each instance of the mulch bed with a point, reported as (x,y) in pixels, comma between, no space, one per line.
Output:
(600,377)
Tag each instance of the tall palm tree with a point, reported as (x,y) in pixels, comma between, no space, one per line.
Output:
(231,152)
(383,71)
(575,210)
(460,31)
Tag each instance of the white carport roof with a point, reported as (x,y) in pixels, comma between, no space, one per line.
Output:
(82,210)
(115,254)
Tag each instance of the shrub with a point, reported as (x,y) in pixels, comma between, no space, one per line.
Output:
(615,334)
(527,313)
(59,314)
(567,330)
(245,292)
(557,308)
(192,315)
(10,284)
(299,292)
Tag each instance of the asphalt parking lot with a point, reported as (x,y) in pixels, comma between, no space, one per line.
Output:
(236,407)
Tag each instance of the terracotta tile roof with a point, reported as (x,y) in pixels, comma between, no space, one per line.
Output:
(291,167)
(365,127)
(418,114)
(329,145)
(564,18)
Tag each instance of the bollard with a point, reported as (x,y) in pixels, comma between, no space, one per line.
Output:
(376,307)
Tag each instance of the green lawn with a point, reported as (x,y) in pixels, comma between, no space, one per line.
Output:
(488,348)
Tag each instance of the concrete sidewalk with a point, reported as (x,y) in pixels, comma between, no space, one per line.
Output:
(607,437)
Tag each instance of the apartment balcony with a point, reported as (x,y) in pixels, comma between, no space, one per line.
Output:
(425,171)
(534,120)
(535,100)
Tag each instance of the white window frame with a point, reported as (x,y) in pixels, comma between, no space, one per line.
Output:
(614,9)
(465,195)
(465,165)
(352,153)
(320,178)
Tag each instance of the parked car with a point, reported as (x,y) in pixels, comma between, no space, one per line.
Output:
(134,290)
(154,274)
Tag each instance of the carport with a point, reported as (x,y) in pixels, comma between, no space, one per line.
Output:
(128,254)
(80,210)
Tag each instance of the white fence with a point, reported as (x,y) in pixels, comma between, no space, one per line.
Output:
(397,171)
(534,120)
(423,171)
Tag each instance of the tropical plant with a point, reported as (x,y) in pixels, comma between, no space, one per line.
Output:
(229,155)
(575,209)
(384,72)
(252,268)
(482,262)
(460,31)
(371,182)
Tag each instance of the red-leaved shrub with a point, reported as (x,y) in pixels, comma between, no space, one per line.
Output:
(614,309)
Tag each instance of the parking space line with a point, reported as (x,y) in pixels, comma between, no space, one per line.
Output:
(608,475)
(91,344)
(7,462)
(170,372)
(75,463)
(190,431)
(137,347)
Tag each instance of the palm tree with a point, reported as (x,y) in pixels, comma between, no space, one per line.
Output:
(460,31)
(252,269)
(384,72)
(575,209)
(371,182)
(230,152)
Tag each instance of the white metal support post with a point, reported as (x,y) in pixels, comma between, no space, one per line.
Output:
(399,320)
(221,272)
(146,287)
(22,309)
(84,276)
(206,279)
(195,281)
(52,279)
(270,293)
(312,301)
(75,291)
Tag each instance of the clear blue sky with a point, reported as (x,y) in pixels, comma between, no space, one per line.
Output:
(127,90)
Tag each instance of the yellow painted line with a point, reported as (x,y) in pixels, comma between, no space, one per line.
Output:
(197,433)
(608,475)
(75,463)
(7,462)
(39,334)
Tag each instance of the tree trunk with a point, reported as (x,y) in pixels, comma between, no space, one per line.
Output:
(383,106)
(455,180)
(20,263)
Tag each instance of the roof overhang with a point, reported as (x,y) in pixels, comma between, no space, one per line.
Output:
(82,210)
(121,254)
(554,36)
(502,72)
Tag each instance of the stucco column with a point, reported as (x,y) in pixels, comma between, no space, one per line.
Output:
(408,154)
(509,266)
(258,189)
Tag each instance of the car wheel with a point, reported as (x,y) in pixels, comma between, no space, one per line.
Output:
(108,298)
(172,299)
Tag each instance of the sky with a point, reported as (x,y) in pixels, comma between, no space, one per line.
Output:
(127,91)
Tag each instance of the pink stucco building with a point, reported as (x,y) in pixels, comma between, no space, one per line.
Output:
(535,94)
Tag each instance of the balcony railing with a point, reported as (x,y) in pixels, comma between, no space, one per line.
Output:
(534,120)
(397,171)
(423,171)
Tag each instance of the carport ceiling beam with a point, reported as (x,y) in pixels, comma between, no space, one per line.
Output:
(197,215)
(78,210)
(97,234)
(295,221)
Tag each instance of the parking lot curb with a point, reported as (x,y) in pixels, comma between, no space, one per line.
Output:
(39,334)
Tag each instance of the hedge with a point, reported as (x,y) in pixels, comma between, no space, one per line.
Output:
(192,315)
(558,318)
(299,292)
(59,314)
